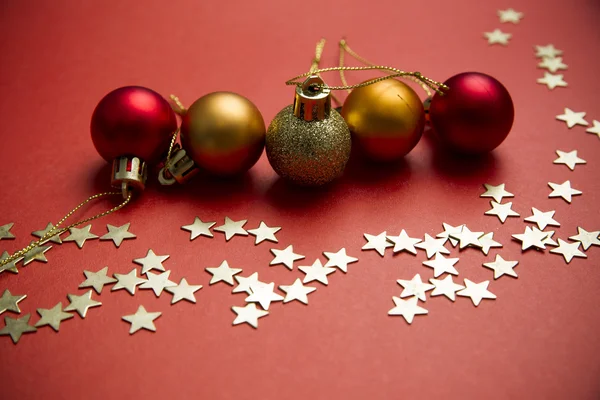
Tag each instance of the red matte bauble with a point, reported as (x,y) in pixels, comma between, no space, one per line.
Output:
(474,115)
(133,121)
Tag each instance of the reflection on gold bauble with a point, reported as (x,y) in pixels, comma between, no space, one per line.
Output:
(308,152)
(386,119)
(223,132)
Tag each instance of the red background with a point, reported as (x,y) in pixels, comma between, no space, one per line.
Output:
(539,339)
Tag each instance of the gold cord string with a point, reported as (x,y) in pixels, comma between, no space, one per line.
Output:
(317,60)
(437,86)
(345,48)
(56,230)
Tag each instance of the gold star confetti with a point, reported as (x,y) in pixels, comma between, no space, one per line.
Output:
(263,294)
(552,81)
(285,257)
(264,232)
(128,281)
(151,261)
(339,260)
(414,287)
(15,327)
(79,236)
(445,287)
(377,242)
(432,246)
(495,192)
(547,51)
(36,254)
(548,241)
(595,129)
(248,314)
(497,37)
(142,319)
(502,267)
(442,265)
(11,266)
(449,230)
(569,159)
(502,211)
(467,238)
(245,283)
(97,279)
(232,228)
(542,219)
(223,273)
(118,233)
(5,231)
(476,291)
(568,250)
(510,15)
(297,291)
(487,242)
(8,302)
(407,308)
(157,282)
(403,242)
(199,228)
(552,64)
(82,303)
(316,272)
(572,118)
(563,190)
(587,239)
(183,291)
(531,238)
(41,233)
(52,317)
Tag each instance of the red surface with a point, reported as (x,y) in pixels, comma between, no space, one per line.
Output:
(538,340)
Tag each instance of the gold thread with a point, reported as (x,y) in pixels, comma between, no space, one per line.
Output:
(317,60)
(55,230)
(345,48)
(437,86)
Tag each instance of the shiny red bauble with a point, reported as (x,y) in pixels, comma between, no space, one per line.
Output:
(133,121)
(475,115)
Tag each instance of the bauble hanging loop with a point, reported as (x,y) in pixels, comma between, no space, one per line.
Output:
(307,142)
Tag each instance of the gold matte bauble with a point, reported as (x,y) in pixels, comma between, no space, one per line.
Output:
(386,119)
(308,152)
(224,133)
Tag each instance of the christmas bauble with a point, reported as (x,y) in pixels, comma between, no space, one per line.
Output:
(308,152)
(224,133)
(386,119)
(474,115)
(133,121)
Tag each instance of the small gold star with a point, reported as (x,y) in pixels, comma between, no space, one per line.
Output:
(8,302)
(569,159)
(11,266)
(52,317)
(572,118)
(15,327)
(43,232)
(568,250)
(80,235)
(36,254)
(502,211)
(142,319)
(552,81)
(563,190)
(199,228)
(595,129)
(547,51)
(118,233)
(495,192)
(497,37)
(510,15)
(5,231)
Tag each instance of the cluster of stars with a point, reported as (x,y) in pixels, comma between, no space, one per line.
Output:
(117,234)
(499,37)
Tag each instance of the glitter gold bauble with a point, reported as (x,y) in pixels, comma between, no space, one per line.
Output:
(386,119)
(308,143)
(223,133)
